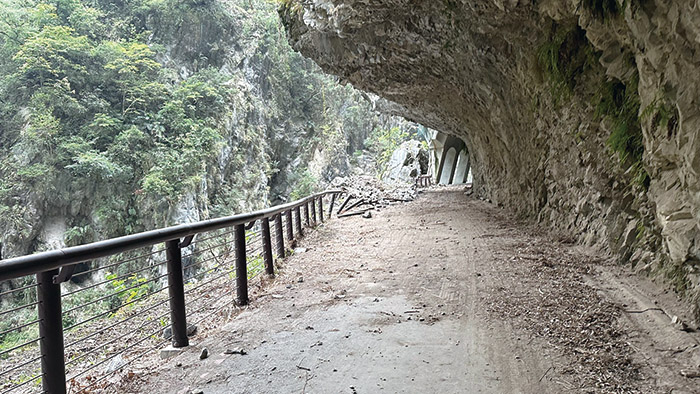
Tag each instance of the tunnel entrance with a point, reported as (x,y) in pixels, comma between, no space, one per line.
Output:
(451,159)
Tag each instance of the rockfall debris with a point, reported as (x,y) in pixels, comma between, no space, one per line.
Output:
(365,193)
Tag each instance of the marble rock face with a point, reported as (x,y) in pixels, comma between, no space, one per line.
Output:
(408,161)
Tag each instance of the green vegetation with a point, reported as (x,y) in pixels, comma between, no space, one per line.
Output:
(564,57)
(85,103)
(618,104)
(609,10)
(113,112)
(15,338)
(383,142)
(304,185)
(604,10)
(662,115)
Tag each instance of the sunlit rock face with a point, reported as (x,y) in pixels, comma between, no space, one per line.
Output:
(479,69)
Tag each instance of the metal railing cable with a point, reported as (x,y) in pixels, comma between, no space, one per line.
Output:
(12,291)
(120,262)
(116,293)
(114,314)
(125,276)
(113,340)
(16,367)
(27,305)
(25,344)
(103,314)
(20,327)
(112,326)
(37,377)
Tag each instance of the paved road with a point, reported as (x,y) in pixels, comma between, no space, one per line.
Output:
(409,301)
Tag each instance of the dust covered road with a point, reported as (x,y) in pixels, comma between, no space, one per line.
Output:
(444,294)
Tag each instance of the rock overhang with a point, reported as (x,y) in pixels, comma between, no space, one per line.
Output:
(475,69)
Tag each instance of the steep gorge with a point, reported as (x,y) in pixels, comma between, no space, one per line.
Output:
(580,114)
(119,117)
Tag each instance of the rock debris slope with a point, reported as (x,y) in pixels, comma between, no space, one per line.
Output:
(582,114)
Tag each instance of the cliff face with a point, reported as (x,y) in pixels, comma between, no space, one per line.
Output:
(225,117)
(582,114)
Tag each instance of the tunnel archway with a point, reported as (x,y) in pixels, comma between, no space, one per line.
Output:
(448,166)
(452,159)
(462,168)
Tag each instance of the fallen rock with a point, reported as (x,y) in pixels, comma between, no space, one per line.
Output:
(115,363)
(168,331)
(371,189)
(204,354)
(691,374)
(407,162)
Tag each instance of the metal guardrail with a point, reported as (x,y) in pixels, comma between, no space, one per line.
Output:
(424,181)
(55,268)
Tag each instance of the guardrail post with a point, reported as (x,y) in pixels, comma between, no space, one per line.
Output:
(297,222)
(320,208)
(241,265)
(330,211)
(313,210)
(53,368)
(279,236)
(306,214)
(176,290)
(267,247)
(290,232)
(342,206)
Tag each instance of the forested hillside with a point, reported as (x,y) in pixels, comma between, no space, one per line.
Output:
(122,116)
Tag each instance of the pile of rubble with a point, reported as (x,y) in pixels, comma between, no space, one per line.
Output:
(366,193)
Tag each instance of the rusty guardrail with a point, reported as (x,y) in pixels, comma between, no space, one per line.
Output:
(55,268)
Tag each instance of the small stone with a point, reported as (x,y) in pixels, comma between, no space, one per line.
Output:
(115,364)
(236,351)
(674,320)
(168,331)
(204,354)
(691,374)
(367,215)
(301,279)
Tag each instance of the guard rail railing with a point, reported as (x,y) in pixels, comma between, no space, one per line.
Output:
(65,313)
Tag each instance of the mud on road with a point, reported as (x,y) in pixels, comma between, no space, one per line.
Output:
(443,294)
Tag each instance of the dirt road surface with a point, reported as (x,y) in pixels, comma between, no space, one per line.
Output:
(445,294)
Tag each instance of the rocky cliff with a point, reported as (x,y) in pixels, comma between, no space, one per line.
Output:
(581,114)
(145,114)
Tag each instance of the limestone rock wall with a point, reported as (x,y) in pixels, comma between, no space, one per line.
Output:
(475,69)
